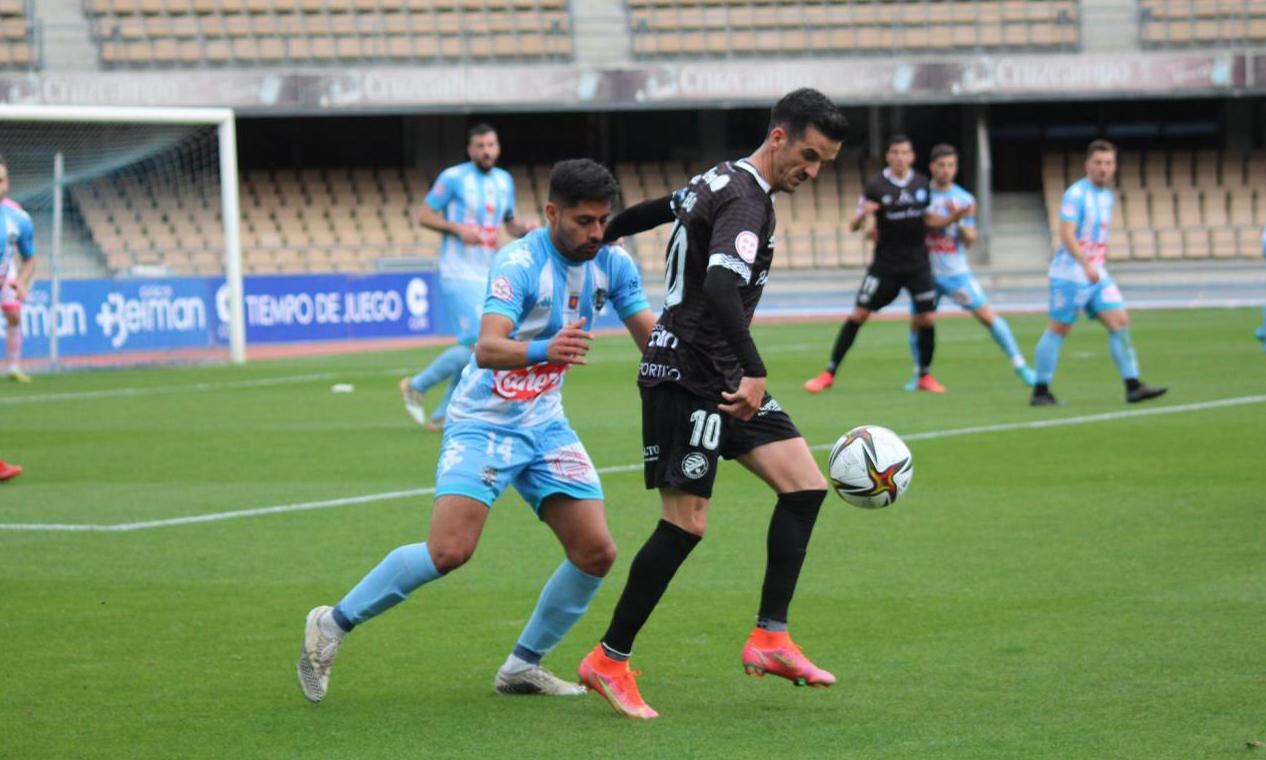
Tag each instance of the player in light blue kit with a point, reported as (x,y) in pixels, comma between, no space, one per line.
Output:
(947,247)
(468,204)
(1261,331)
(1080,281)
(506,428)
(17,269)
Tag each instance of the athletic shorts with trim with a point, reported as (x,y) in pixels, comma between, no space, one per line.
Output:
(1069,297)
(684,436)
(464,304)
(878,289)
(480,461)
(962,289)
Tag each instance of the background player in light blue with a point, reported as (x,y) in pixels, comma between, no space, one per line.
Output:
(1080,281)
(506,427)
(468,204)
(17,269)
(947,247)
(1261,331)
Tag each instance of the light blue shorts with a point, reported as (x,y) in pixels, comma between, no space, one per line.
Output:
(480,461)
(464,303)
(1068,298)
(962,289)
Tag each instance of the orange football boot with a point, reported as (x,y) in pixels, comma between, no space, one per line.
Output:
(777,655)
(616,683)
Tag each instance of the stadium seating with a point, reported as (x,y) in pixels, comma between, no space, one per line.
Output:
(694,28)
(17,37)
(1178,204)
(349,220)
(166,33)
(1199,23)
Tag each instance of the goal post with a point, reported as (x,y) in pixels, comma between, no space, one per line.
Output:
(157,154)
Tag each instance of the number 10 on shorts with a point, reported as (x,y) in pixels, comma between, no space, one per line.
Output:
(707,429)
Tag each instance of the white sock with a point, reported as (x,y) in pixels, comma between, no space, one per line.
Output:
(1017,361)
(330,628)
(515,664)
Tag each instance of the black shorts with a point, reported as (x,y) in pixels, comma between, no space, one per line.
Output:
(881,288)
(684,436)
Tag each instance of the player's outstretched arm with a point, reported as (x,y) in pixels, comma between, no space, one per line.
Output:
(640,326)
(939,221)
(495,349)
(640,218)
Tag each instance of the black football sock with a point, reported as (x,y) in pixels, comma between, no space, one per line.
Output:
(927,345)
(843,342)
(1132,383)
(789,532)
(1041,389)
(649,575)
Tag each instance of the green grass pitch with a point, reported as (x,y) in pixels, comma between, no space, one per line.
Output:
(1089,590)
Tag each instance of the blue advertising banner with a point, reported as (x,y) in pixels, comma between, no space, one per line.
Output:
(97,317)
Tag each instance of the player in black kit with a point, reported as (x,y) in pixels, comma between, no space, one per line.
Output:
(899,198)
(703,393)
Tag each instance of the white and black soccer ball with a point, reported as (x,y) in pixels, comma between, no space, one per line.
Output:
(870,467)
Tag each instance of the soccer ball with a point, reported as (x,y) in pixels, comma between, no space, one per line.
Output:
(870,467)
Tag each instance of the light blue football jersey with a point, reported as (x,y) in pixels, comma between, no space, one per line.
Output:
(1089,207)
(541,291)
(464,194)
(19,237)
(945,245)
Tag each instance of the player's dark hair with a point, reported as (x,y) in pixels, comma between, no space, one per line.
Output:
(1100,146)
(580,179)
(482,128)
(942,150)
(798,110)
(897,139)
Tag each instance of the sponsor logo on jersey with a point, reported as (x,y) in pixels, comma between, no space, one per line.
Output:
(527,383)
(658,371)
(650,454)
(694,465)
(661,338)
(746,244)
(769,406)
(502,289)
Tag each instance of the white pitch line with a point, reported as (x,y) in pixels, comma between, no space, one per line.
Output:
(390,495)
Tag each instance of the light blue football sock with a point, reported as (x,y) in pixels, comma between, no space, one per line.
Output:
(402,571)
(1001,332)
(912,338)
(1123,354)
(564,599)
(1047,356)
(445,366)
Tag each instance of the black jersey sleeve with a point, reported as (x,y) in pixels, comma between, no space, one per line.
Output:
(640,218)
(721,289)
(736,229)
(873,192)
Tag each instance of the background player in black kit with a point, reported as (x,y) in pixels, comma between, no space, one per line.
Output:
(898,197)
(703,393)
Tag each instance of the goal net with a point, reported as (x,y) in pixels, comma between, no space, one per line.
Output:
(138,255)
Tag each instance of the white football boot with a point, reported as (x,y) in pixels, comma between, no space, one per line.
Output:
(317,656)
(535,680)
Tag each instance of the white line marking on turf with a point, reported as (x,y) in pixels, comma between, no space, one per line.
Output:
(390,495)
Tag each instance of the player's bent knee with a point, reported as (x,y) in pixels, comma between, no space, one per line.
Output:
(448,556)
(596,560)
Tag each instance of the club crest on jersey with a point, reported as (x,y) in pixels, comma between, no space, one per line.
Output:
(502,289)
(694,465)
(573,301)
(746,244)
(527,383)
(599,299)
(920,195)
